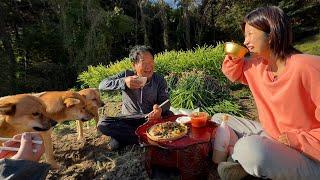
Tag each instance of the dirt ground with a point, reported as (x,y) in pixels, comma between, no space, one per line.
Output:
(91,158)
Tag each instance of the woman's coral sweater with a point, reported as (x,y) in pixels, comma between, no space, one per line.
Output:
(288,104)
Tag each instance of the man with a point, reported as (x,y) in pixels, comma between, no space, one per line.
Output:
(137,97)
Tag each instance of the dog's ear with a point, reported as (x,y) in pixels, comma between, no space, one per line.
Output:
(71,101)
(7,108)
(38,94)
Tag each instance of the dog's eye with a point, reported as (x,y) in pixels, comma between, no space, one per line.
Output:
(36,114)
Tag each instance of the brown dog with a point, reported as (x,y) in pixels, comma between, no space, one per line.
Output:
(92,97)
(62,106)
(23,113)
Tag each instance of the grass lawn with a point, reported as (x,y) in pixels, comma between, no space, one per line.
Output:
(310,45)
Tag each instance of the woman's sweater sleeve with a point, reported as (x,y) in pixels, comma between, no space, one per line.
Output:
(233,69)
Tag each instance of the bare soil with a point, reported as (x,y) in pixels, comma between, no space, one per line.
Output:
(91,158)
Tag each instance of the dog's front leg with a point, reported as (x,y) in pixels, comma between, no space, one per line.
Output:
(80,129)
(49,149)
(96,119)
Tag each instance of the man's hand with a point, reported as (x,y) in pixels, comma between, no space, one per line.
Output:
(132,82)
(26,147)
(283,138)
(156,112)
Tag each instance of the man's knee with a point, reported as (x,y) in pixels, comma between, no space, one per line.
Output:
(105,128)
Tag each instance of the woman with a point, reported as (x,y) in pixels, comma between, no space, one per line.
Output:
(286,87)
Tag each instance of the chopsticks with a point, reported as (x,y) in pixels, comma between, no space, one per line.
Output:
(17,140)
(13,149)
(162,104)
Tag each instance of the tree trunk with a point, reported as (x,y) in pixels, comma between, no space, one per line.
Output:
(136,26)
(201,24)
(7,44)
(142,4)
(186,22)
(164,21)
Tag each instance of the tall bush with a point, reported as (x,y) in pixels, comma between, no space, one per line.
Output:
(197,89)
(95,74)
(207,59)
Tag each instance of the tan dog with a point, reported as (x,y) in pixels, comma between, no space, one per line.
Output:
(62,106)
(23,113)
(92,97)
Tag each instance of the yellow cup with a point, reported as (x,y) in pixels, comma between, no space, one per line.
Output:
(235,49)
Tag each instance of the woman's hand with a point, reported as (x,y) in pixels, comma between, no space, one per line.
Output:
(230,57)
(283,138)
(27,149)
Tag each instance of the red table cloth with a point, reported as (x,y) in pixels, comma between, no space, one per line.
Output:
(189,154)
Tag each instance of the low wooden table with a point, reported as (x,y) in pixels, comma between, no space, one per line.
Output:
(190,154)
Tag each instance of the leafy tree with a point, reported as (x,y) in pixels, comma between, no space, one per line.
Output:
(45,44)
(305,16)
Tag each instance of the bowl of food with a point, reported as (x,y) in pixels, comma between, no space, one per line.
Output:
(183,119)
(235,49)
(142,80)
(199,119)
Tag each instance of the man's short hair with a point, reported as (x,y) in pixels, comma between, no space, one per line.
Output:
(135,52)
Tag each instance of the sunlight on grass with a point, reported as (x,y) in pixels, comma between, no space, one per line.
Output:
(310,45)
(71,126)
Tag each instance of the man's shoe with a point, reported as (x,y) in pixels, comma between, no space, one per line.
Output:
(231,171)
(113,144)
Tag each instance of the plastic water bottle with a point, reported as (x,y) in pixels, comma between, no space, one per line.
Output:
(224,141)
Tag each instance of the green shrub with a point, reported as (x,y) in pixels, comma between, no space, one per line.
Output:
(207,59)
(225,106)
(94,75)
(197,89)
(191,91)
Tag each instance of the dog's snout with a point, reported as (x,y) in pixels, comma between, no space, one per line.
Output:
(53,123)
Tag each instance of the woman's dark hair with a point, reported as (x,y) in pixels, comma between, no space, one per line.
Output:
(276,24)
(135,52)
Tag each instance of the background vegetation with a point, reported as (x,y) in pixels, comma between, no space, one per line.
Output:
(194,79)
(45,44)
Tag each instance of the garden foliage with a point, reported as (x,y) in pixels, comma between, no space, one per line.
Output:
(194,78)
